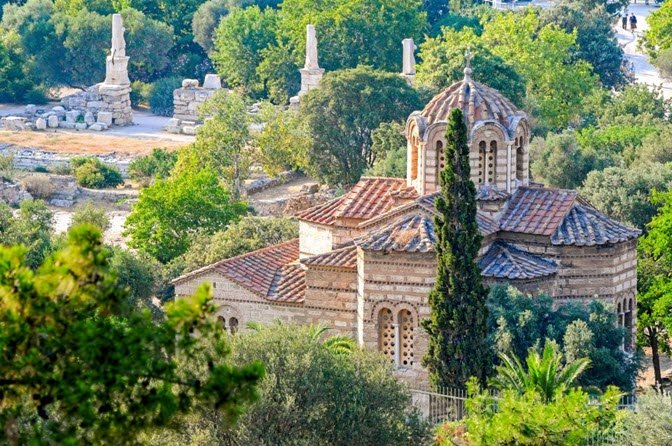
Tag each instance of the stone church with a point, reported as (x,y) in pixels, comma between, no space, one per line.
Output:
(364,262)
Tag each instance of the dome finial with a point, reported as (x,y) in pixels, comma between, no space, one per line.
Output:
(467,68)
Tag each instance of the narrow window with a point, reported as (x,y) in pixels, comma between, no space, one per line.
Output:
(414,158)
(386,334)
(233,325)
(492,162)
(406,338)
(222,321)
(481,162)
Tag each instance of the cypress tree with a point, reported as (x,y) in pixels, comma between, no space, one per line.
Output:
(457,324)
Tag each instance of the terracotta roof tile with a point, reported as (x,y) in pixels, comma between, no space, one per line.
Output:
(488,192)
(506,261)
(367,199)
(323,214)
(486,225)
(536,211)
(256,270)
(289,284)
(411,233)
(586,226)
(340,258)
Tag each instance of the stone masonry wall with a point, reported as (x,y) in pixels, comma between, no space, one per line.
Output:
(186,102)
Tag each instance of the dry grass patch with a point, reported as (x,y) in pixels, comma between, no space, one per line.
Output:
(85,143)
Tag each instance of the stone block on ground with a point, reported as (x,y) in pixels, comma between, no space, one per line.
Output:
(189,130)
(52,121)
(80,126)
(98,127)
(72,115)
(89,118)
(40,124)
(14,123)
(31,109)
(66,125)
(105,118)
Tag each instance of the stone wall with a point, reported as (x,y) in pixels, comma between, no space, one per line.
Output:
(186,102)
(396,282)
(26,158)
(102,104)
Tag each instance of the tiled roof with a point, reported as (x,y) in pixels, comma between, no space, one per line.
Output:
(367,199)
(340,258)
(488,192)
(585,226)
(536,211)
(505,261)
(256,270)
(289,284)
(323,214)
(486,225)
(412,233)
(408,193)
(477,101)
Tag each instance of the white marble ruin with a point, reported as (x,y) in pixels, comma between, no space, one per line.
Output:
(311,73)
(186,102)
(107,103)
(408,61)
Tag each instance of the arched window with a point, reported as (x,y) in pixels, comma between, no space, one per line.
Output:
(520,159)
(233,325)
(222,321)
(386,334)
(414,158)
(440,158)
(406,338)
(492,162)
(481,162)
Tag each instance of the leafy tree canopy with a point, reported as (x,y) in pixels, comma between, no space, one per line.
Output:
(342,114)
(595,38)
(329,392)
(79,366)
(68,49)
(170,212)
(659,35)
(389,147)
(443,62)
(517,323)
(245,235)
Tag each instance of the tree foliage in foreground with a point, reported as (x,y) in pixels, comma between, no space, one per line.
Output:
(318,390)
(79,366)
(569,419)
(457,326)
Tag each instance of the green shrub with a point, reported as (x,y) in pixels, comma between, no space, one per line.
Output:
(41,169)
(39,186)
(89,213)
(61,169)
(664,63)
(140,93)
(158,164)
(161,95)
(93,173)
(7,166)
(36,95)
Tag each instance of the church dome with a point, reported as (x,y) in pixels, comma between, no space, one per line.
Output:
(478,102)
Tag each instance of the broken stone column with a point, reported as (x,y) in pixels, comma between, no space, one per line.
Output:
(115,91)
(311,73)
(408,61)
